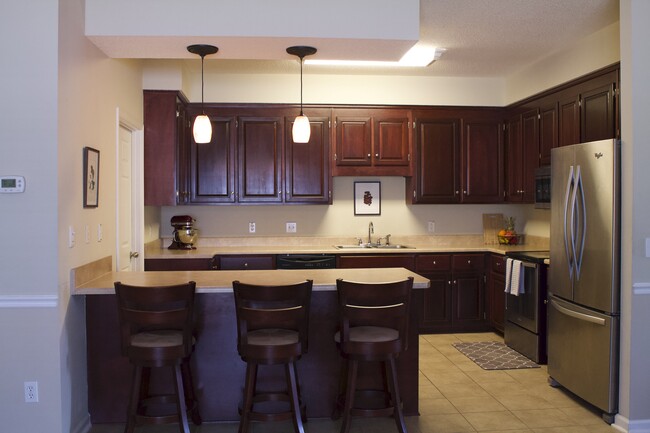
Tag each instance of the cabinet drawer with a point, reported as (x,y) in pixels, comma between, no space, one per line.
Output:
(230,263)
(433,262)
(498,263)
(468,262)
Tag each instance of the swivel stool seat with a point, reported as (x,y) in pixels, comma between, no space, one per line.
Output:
(373,327)
(272,329)
(156,325)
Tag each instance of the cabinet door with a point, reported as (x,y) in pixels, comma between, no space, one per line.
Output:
(569,124)
(435,307)
(260,159)
(514,155)
(468,303)
(497,300)
(482,161)
(161,135)
(597,118)
(307,173)
(212,165)
(391,138)
(437,175)
(353,138)
(531,152)
(548,131)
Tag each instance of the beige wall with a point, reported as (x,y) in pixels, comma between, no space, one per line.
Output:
(64,94)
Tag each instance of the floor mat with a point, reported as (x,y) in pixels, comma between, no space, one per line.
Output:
(492,355)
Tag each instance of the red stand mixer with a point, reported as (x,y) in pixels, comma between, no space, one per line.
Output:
(184,233)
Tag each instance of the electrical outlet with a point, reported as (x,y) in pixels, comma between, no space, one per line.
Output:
(431,226)
(100,233)
(31,392)
(251,227)
(70,237)
(292,227)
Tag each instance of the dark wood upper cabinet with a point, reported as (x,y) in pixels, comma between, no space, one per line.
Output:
(482,159)
(306,166)
(253,159)
(212,165)
(437,171)
(514,155)
(597,117)
(371,141)
(548,131)
(164,143)
(259,146)
(459,157)
(569,123)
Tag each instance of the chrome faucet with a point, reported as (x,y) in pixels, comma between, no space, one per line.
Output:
(371,231)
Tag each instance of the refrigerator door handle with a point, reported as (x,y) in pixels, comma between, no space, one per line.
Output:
(567,226)
(576,315)
(582,227)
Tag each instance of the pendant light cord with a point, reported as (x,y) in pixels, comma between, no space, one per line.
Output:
(202,87)
(301,61)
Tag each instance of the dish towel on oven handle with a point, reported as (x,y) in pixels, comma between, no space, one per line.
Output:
(514,277)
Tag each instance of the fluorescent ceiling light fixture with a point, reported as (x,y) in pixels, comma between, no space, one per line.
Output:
(417,57)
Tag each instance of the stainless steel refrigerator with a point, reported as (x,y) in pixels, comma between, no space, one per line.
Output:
(583,279)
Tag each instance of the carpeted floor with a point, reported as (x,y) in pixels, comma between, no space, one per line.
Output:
(493,355)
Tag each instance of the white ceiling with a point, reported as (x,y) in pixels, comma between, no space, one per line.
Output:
(483,38)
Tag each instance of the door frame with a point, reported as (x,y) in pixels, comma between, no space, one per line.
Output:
(123,119)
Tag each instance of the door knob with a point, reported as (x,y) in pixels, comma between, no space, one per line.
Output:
(134,254)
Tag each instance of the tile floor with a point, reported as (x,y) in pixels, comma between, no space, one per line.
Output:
(456,396)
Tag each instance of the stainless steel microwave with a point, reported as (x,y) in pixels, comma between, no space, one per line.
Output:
(543,187)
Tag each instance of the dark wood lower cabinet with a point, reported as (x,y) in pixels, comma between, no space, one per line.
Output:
(219,371)
(455,301)
(377,261)
(496,298)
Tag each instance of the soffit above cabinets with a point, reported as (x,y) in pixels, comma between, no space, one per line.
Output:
(482,38)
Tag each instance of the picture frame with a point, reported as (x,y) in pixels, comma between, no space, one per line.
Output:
(367,198)
(91,177)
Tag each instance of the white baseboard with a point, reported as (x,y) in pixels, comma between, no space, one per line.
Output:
(623,424)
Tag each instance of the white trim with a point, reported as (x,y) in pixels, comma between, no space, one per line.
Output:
(623,424)
(641,288)
(83,426)
(137,188)
(28,301)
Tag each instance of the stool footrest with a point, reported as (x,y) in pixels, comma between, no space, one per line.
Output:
(272,397)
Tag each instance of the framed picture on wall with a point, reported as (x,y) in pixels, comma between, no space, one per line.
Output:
(91,177)
(367,198)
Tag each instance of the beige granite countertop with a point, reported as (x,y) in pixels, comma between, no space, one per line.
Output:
(208,247)
(221,281)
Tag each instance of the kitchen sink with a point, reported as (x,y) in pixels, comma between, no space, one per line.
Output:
(379,247)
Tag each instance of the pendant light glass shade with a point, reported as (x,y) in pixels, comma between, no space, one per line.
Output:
(202,129)
(301,128)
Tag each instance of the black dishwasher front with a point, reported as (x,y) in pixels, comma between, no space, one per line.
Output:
(305,261)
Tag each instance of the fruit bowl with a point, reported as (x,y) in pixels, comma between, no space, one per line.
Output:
(509,239)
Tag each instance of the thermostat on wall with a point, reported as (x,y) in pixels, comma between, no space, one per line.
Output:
(10,184)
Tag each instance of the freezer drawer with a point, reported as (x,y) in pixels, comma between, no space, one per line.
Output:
(583,353)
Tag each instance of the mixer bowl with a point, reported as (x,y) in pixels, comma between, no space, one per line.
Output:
(187,236)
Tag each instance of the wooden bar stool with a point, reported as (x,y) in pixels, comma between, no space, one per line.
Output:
(156,325)
(272,329)
(373,327)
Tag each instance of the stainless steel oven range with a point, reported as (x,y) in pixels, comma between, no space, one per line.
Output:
(525,326)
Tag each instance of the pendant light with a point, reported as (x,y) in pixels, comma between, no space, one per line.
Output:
(301,127)
(202,130)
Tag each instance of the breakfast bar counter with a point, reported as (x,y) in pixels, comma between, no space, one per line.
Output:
(218,369)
